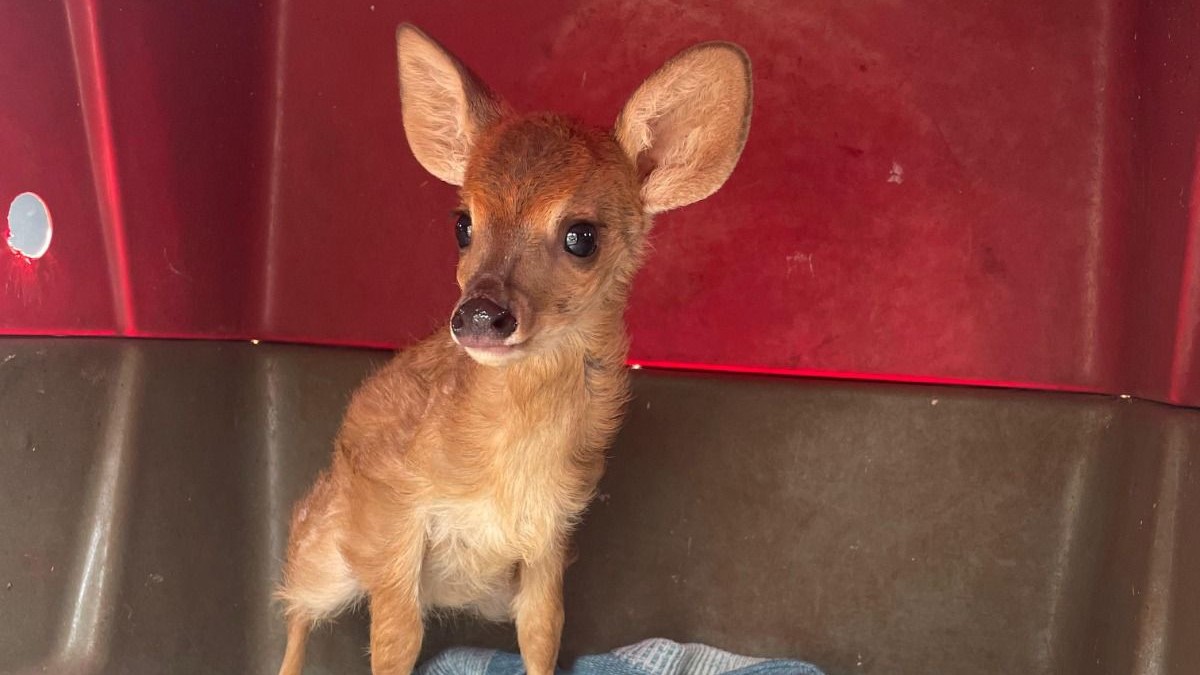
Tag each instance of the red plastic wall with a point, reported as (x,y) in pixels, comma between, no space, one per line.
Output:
(934,190)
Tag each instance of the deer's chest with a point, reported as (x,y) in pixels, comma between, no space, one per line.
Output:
(517,498)
(518,508)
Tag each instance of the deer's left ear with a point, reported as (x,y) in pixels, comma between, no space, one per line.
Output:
(443,104)
(686,125)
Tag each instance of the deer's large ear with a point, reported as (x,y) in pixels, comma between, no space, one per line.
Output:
(443,104)
(686,125)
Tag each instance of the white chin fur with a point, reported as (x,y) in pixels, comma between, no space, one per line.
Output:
(490,358)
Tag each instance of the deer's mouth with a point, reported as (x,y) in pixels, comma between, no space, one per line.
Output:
(486,343)
(493,354)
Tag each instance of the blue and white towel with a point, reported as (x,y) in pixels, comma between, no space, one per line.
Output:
(652,657)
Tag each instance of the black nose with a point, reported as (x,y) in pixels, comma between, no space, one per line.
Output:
(482,319)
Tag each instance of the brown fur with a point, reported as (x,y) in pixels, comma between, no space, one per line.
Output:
(457,477)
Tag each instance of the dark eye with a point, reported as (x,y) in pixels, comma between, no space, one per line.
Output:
(580,240)
(462,230)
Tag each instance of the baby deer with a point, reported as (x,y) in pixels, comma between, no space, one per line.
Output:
(462,466)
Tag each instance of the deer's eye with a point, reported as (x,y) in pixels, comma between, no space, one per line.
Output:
(462,230)
(580,240)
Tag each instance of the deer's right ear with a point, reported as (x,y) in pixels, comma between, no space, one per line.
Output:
(443,104)
(686,125)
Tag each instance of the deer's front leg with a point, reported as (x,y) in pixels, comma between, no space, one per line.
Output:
(392,575)
(539,613)
(396,631)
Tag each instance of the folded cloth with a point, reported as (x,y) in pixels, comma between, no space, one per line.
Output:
(652,657)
